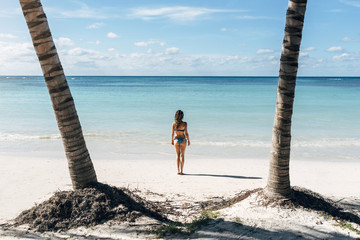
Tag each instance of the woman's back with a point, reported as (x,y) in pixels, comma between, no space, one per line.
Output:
(180,130)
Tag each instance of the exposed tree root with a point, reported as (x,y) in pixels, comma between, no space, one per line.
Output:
(223,203)
(93,205)
(307,199)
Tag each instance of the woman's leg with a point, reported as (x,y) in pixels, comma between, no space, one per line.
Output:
(182,156)
(177,149)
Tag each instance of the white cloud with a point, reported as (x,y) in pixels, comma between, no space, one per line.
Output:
(10,12)
(346,39)
(95,25)
(178,13)
(85,12)
(77,52)
(80,61)
(264,51)
(140,44)
(167,61)
(303,54)
(150,42)
(342,57)
(12,50)
(229,30)
(112,35)
(14,55)
(172,50)
(136,55)
(351,3)
(97,42)
(64,42)
(309,49)
(85,61)
(7,35)
(87,53)
(335,49)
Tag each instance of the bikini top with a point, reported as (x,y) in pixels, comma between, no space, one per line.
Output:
(183,130)
(179,131)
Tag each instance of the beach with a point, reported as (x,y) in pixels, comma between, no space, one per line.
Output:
(26,181)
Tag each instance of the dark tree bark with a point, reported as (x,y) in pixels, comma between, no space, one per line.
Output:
(278,184)
(81,169)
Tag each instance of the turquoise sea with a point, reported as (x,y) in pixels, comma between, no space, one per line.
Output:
(228,117)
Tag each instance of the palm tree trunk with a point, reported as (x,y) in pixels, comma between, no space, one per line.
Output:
(81,169)
(278,184)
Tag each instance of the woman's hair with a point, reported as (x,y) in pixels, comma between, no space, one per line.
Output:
(178,118)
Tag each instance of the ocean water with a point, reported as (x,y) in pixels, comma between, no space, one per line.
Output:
(228,117)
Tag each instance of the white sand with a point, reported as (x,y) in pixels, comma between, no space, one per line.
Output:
(25,181)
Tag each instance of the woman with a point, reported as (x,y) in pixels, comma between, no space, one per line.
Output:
(179,141)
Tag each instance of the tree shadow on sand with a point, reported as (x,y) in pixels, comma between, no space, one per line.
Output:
(215,229)
(231,230)
(218,175)
(115,231)
(354,206)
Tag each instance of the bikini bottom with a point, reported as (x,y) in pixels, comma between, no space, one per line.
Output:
(180,140)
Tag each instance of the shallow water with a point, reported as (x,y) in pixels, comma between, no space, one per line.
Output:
(228,117)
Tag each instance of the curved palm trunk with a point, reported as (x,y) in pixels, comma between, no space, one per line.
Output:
(278,184)
(81,168)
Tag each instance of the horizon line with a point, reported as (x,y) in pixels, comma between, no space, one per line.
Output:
(175,76)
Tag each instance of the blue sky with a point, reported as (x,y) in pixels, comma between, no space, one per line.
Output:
(187,37)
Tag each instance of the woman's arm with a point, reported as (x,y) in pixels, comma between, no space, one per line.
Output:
(187,134)
(172,134)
